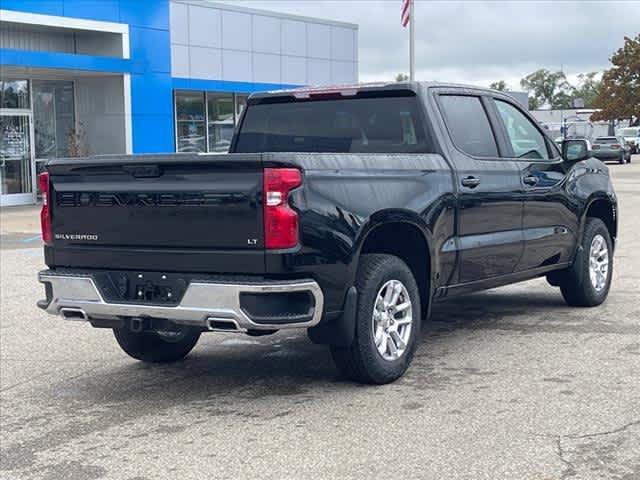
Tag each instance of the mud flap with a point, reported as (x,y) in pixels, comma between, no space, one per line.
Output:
(341,331)
(558,277)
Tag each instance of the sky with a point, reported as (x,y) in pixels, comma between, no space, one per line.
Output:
(478,42)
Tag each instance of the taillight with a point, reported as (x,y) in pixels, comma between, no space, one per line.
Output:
(45,213)
(615,146)
(280,220)
(595,147)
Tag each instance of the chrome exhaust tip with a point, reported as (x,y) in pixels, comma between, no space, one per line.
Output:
(70,313)
(227,325)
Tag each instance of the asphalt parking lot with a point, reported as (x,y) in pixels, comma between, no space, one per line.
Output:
(506,384)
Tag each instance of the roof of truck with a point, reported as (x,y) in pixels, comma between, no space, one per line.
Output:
(352,89)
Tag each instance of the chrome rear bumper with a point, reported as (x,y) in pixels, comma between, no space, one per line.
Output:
(215,306)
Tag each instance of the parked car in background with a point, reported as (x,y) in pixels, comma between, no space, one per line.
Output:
(611,148)
(631,136)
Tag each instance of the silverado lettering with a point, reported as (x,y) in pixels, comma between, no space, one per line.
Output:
(75,236)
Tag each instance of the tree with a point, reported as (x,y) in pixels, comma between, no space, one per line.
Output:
(619,95)
(587,88)
(562,100)
(500,85)
(547,88)
(533,103)
(401,77)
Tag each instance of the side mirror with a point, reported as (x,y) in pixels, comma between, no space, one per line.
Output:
(576,150)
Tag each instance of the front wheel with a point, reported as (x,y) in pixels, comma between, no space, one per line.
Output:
(157,347)
(587,284)
(387,322)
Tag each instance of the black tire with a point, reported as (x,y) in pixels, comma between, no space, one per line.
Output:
(156,348)
(576,285)
(361,361)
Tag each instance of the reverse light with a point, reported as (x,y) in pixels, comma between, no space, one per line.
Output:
(280,220)
(45,212)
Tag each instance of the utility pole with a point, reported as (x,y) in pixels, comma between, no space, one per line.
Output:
(412,53)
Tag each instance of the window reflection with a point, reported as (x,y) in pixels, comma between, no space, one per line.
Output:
(190,118)
(220,121)
(205,121)
(14,94)
(53,118)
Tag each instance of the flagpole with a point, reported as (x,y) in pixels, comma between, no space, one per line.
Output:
(412,55)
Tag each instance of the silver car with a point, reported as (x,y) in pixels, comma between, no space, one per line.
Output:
(611,148)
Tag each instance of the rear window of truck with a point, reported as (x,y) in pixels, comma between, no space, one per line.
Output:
(388,124)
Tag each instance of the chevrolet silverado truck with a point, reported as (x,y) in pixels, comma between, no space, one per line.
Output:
(346,211)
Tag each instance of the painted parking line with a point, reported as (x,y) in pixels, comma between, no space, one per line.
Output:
(31,239)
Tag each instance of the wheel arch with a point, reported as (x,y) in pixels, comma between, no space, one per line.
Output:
(381,236)
(606,209)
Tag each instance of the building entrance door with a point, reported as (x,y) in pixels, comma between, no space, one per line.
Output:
(16,159)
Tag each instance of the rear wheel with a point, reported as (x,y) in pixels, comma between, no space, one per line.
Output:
(587,284)
(156,346)
(387,322)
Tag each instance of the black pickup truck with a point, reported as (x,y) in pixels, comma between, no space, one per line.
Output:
(347,211)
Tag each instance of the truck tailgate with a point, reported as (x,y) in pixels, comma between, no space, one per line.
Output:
(161,207)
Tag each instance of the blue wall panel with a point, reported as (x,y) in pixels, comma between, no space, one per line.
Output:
(45,7)
(153,134)
(66,61)
(153,94)
(145,13)
(152,47)
(105,10)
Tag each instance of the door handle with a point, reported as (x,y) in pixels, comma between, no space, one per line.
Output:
(471,182)
(530,180)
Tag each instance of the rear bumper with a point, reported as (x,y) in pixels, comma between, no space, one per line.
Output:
(209,305)
(608,155)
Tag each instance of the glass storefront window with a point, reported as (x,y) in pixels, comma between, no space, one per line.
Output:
(53,118)
(205,121)
(220,121)
(190,118)
(14,94)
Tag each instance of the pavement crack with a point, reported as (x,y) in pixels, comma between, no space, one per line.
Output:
(570,468)
(606,432)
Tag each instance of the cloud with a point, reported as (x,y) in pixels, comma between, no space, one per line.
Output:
(478,41)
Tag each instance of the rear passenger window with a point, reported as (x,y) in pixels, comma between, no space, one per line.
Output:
(468,125)
(358,124)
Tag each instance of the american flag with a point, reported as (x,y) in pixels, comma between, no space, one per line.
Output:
(405,17)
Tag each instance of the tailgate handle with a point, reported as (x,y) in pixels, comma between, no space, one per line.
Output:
(143,171)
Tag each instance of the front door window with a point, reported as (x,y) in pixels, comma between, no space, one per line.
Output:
(526,140)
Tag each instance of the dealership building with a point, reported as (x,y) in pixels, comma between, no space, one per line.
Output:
(90,77)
